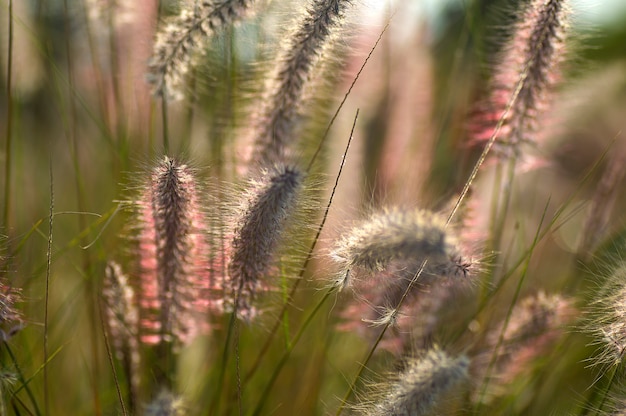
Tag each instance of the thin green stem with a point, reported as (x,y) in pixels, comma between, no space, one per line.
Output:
(9,126)
(47,296)
(287,353)
(166,138)
(21,378)
(507,319)
(391,319)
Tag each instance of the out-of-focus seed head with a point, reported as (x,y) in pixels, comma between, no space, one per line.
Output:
(418,389)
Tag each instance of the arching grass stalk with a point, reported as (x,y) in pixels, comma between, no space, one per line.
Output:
(91,295)
(287,353)
(518,289)
(550,228)
(605,395)
(303,269)
(388,322)
(587,407)
(346,95)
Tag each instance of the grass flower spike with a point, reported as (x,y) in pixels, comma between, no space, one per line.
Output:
(175,43)
(420,386)
(275,124)
(172,250)
(526,71)
(408,237)
(259,226)
(11,320)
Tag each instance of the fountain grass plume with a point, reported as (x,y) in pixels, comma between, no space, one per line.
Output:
(408,237)
(296,59)
(258,228)
(606,319)
(176,42)
(527,70)
(418,389)
(11,319)
(173,255)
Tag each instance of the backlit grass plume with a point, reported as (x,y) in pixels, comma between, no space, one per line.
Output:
(173,255)
(259,226)
(300,50)
(419,387)
(526,71)
(175,43)
(407,237)
(607,320)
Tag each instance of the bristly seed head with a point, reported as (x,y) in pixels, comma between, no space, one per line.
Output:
(608,323)
(528,68)
(408,238)
(274,127)
(258,229)
(176,42)
(419,387)
(173,251)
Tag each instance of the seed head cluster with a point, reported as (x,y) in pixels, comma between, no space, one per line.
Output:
(11,319)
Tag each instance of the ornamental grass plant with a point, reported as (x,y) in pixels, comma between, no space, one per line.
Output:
(218,207)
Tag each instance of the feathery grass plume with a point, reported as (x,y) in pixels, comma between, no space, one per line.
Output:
(175,43)
(258,228)
(607,319)
(406,238)
(529,63)
(122,320)
(417,390)
(173,252)
(535,324)
(273,130)
(11,320)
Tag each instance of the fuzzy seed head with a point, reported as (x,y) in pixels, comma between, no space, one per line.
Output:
(284,93)
(258,229)
(176,43)
(420,386)
(165,404)
(529,67)
(173,255)
(407,238)
(535,324)
(121,313)
(608,324)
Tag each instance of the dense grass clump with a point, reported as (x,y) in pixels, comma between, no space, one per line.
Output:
(311,207)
